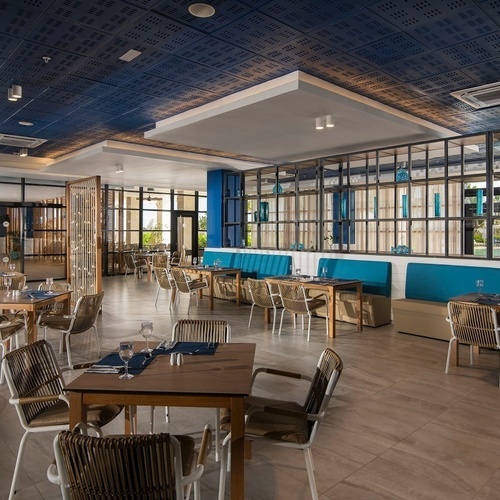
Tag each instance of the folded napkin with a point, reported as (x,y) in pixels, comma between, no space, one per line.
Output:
(39,294)
(192,348)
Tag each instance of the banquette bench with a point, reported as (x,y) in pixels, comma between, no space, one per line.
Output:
(252,265)
(428,289)
(377,284)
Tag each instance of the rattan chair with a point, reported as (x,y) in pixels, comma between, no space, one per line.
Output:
(156,466)
(57,286)
(200,330)
(18,281)
(160,259)
(10,328)
(184,284)
(165,282)
(82,320)
(473,324)
(137,266)
(288,423)
(175,260)
(263,296)
(295,300)
(37,388)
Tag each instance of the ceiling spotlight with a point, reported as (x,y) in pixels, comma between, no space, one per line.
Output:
(23,152)
(17,91)
(10,95)
(319,123)
(26,123)
(329,121)
(201,10)
(119,169)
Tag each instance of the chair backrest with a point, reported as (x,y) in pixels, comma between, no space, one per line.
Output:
(129,260)
(86,311)
(293,297)
(473,323)
(176,258)
(58,286)
(201,330)
(137,466)
(323,384)
(260,293)
(180,278)
(33,371)
(163,278)
(160,259)
(18,282)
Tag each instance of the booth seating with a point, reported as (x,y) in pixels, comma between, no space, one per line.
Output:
(252,265)
(377,283)
(428,289)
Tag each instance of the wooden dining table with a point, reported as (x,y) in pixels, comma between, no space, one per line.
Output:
(221,380)
(21,301)
(212,272)
(329,287)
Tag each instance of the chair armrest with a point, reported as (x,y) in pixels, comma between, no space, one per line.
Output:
(205,446)
(280,373)
(36,399)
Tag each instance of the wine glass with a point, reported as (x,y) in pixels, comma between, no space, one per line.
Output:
(298,271)
(146,332)
(8,283)
(324,272)
(195,261)
(49,282)
(12,267)
(126,351)
(479,286)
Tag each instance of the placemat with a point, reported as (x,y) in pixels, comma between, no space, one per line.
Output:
(136,365)
(39,294)
(193,348)
(487,301)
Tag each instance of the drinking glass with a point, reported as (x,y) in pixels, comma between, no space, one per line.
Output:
(324,271)
(12,267)
(479,286)
(49,282)
(146,332)
(298,271)
(126,351)
(195,261)
(8,284)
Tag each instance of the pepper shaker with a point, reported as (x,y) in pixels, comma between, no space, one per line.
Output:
(180,358)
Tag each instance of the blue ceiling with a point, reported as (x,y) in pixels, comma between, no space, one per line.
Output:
(407,54)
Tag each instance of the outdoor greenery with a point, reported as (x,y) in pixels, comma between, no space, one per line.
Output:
(153,234)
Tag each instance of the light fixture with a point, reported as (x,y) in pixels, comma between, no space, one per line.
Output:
(130,55)
(329,121)
(201,10)
(10,95)
(322,121)
(319,123)
(17,91)
(26,123)
(119,169)
(23,152)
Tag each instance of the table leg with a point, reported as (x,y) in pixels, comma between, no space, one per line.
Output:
(267,315)
(211,291)
(237,449)
(331,312)
(31,334)
(359,296)
(238,289)
(77,410)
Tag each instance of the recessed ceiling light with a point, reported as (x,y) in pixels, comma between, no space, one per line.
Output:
(130,55)
(201,10)
(23,152)
(25,123)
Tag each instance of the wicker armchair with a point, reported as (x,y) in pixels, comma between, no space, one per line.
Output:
(137,266)
(200,330)
(262,296)
(295,300)
(473,324)
(288,423)
(37,388)
(10,327)
(184,284)
(82,320)
(176,258)
(160,259)
(165,282)
(155,466)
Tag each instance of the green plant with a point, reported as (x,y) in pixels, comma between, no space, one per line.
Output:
(202,240)
(153,236)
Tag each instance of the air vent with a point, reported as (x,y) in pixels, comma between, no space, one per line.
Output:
(20,141)
(485,96)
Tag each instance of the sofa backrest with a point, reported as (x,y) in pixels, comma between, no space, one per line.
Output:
(441,282)
(376,275)
(252,265)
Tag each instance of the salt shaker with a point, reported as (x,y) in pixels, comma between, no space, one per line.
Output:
(180,358)
(173,359)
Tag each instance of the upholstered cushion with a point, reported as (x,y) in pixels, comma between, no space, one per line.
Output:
(58,414)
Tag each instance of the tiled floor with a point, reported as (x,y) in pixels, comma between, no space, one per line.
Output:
(397,427)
